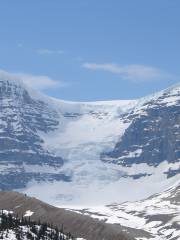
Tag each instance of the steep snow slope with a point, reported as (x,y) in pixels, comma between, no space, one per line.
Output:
(81,152)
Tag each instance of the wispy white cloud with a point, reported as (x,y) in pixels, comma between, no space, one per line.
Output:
(40,82)
(49,51)
(132,72)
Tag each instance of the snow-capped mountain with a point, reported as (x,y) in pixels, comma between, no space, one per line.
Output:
(21,118)
(154,134)
(91,151)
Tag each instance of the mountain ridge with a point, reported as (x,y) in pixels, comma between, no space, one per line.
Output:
(82,227)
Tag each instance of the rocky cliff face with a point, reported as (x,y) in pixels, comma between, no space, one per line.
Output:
(21,120)
(153,135)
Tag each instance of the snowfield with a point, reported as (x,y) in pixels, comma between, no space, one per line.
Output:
(158,216)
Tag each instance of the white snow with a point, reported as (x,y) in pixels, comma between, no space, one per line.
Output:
(138,214)
(28,213)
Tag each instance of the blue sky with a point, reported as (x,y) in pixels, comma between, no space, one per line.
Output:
(91,49)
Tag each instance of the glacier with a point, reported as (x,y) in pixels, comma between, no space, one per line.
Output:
(75,144)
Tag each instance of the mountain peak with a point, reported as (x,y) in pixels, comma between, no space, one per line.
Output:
(9,79)
(173,90)
(14,87)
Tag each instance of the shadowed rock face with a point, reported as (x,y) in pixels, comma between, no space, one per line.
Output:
(21,119)
(78,225)
(152,137)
